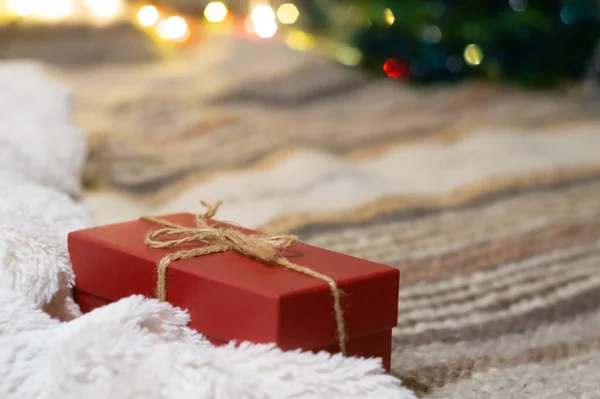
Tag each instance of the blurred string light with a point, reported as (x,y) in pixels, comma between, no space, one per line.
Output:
(22,8)
(215,12)
(173,28)
(55,9)
(148,16)
(347,55)
(432,34)
(395,68)
(299,40)
(262,22)
(105,8)
(262,13)
(287,13)
(266,29)
(389,16)
(473,55)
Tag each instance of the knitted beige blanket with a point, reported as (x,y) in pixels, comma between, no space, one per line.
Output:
(487,199)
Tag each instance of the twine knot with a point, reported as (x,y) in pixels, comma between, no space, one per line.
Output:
(215,239)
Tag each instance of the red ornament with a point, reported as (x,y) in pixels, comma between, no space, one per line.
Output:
(395,68)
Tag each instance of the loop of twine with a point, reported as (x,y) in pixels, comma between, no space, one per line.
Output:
(265,249)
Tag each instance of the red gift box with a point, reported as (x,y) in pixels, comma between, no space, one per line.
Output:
(230,296)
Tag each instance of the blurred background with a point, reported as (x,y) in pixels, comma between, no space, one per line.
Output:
(156,83)
(531,43)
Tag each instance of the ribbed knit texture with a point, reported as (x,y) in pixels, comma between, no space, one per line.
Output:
(487,199)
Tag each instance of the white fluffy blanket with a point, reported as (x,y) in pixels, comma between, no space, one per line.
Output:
(134,348)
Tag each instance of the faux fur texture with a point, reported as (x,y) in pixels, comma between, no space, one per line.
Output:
(136,347)
(36,135)
(139,348)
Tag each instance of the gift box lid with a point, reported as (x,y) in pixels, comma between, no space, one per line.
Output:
(233,297)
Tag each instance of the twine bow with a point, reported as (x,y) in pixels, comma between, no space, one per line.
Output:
(263,248)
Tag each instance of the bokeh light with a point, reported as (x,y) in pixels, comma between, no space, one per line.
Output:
(262,13)
(473,55)
(105,8)
(432,34)
(389,16)
(288,13)
(215,12)
(347,55)
(148,16)
(56,9)
(174,28)
(299,40)
(22,8)
(395,68)
(263,21)
(265,29)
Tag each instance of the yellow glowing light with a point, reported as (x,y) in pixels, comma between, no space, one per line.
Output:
(105,8)
(473,55)
(215,12)
(148,16)
(263,21)
(174,28)
(55,9)
(299,41)
(22,8)
(348,55)
(389,16)
(265,29)
(287,13)
(262,13)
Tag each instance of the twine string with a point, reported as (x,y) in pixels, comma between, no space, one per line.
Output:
(264,248)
